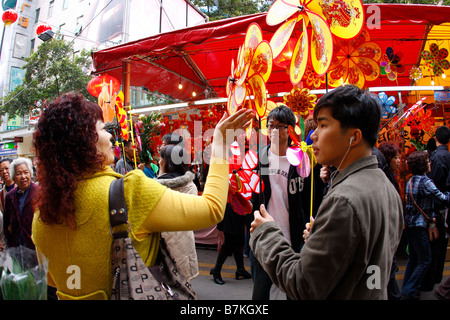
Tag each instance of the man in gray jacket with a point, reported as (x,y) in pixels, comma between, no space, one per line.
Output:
(349,249)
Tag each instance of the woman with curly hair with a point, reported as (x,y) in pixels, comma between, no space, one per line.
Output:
(425,194)
(72,227)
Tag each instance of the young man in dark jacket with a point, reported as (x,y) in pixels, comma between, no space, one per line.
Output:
(440,168)
(349,250)
(285,192)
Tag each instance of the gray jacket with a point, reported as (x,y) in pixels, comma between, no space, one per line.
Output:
(349,252)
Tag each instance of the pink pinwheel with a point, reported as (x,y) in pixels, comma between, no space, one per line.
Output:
(300,155)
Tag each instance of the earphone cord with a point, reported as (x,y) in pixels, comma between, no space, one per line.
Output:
(333,175)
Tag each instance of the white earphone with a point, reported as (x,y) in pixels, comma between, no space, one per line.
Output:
(352,139)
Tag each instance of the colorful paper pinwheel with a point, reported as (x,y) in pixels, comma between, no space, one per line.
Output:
(254,66)
(242,179)
(391,65)
(386,105)
(343,18)
(435,59)
(300,155)
(355,61)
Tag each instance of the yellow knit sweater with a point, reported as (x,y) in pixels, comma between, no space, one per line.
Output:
(80,259)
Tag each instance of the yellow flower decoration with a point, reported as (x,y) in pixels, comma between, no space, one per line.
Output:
(300,101)
(415,73)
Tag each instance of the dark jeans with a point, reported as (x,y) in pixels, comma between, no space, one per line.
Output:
(261,280)
(419,260)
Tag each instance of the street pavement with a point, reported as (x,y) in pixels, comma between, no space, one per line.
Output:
(233,289)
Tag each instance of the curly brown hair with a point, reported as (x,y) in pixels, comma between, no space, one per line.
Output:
(418,162)
(65,142)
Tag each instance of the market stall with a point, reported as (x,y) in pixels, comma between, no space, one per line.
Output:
(399,52)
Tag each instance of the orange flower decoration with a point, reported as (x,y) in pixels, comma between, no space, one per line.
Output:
(300,101)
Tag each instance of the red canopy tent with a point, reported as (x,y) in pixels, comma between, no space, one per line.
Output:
(200,57)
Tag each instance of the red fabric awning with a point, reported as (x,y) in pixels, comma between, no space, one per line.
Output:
(200,57)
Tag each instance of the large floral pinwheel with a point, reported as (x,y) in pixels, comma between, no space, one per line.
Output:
(254,66)
(391,65)
(386,105)
(355,61)
(343,18)
(435,59)
(242,179)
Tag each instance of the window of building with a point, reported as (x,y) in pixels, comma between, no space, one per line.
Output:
(50,8)
(36,17)
(32,46)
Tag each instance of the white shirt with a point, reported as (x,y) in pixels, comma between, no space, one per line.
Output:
(278,206)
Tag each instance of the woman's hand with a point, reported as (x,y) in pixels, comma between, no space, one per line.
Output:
(225,131)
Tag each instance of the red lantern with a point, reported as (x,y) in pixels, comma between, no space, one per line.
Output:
(95,85)
(42,28)
(9,16)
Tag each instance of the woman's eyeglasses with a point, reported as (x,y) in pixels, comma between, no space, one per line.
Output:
(280,127)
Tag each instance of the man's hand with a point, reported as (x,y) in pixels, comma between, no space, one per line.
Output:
(261,217)
(325,173)
(308,228)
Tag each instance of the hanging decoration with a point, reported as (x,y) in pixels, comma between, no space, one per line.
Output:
(242,180)
(355,61)
(300,101)
(95,85)
(9,16)
(343,18)
(410,112)
(42,28)
(390,65)
(121,116)
(435,59)
(415,74)
(387,107)
(424,120)
(254,66)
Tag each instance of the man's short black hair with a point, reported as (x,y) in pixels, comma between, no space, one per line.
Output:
(442,134)
(353,108)
(282,114)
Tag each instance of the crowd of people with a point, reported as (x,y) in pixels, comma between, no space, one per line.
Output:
(335,237)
